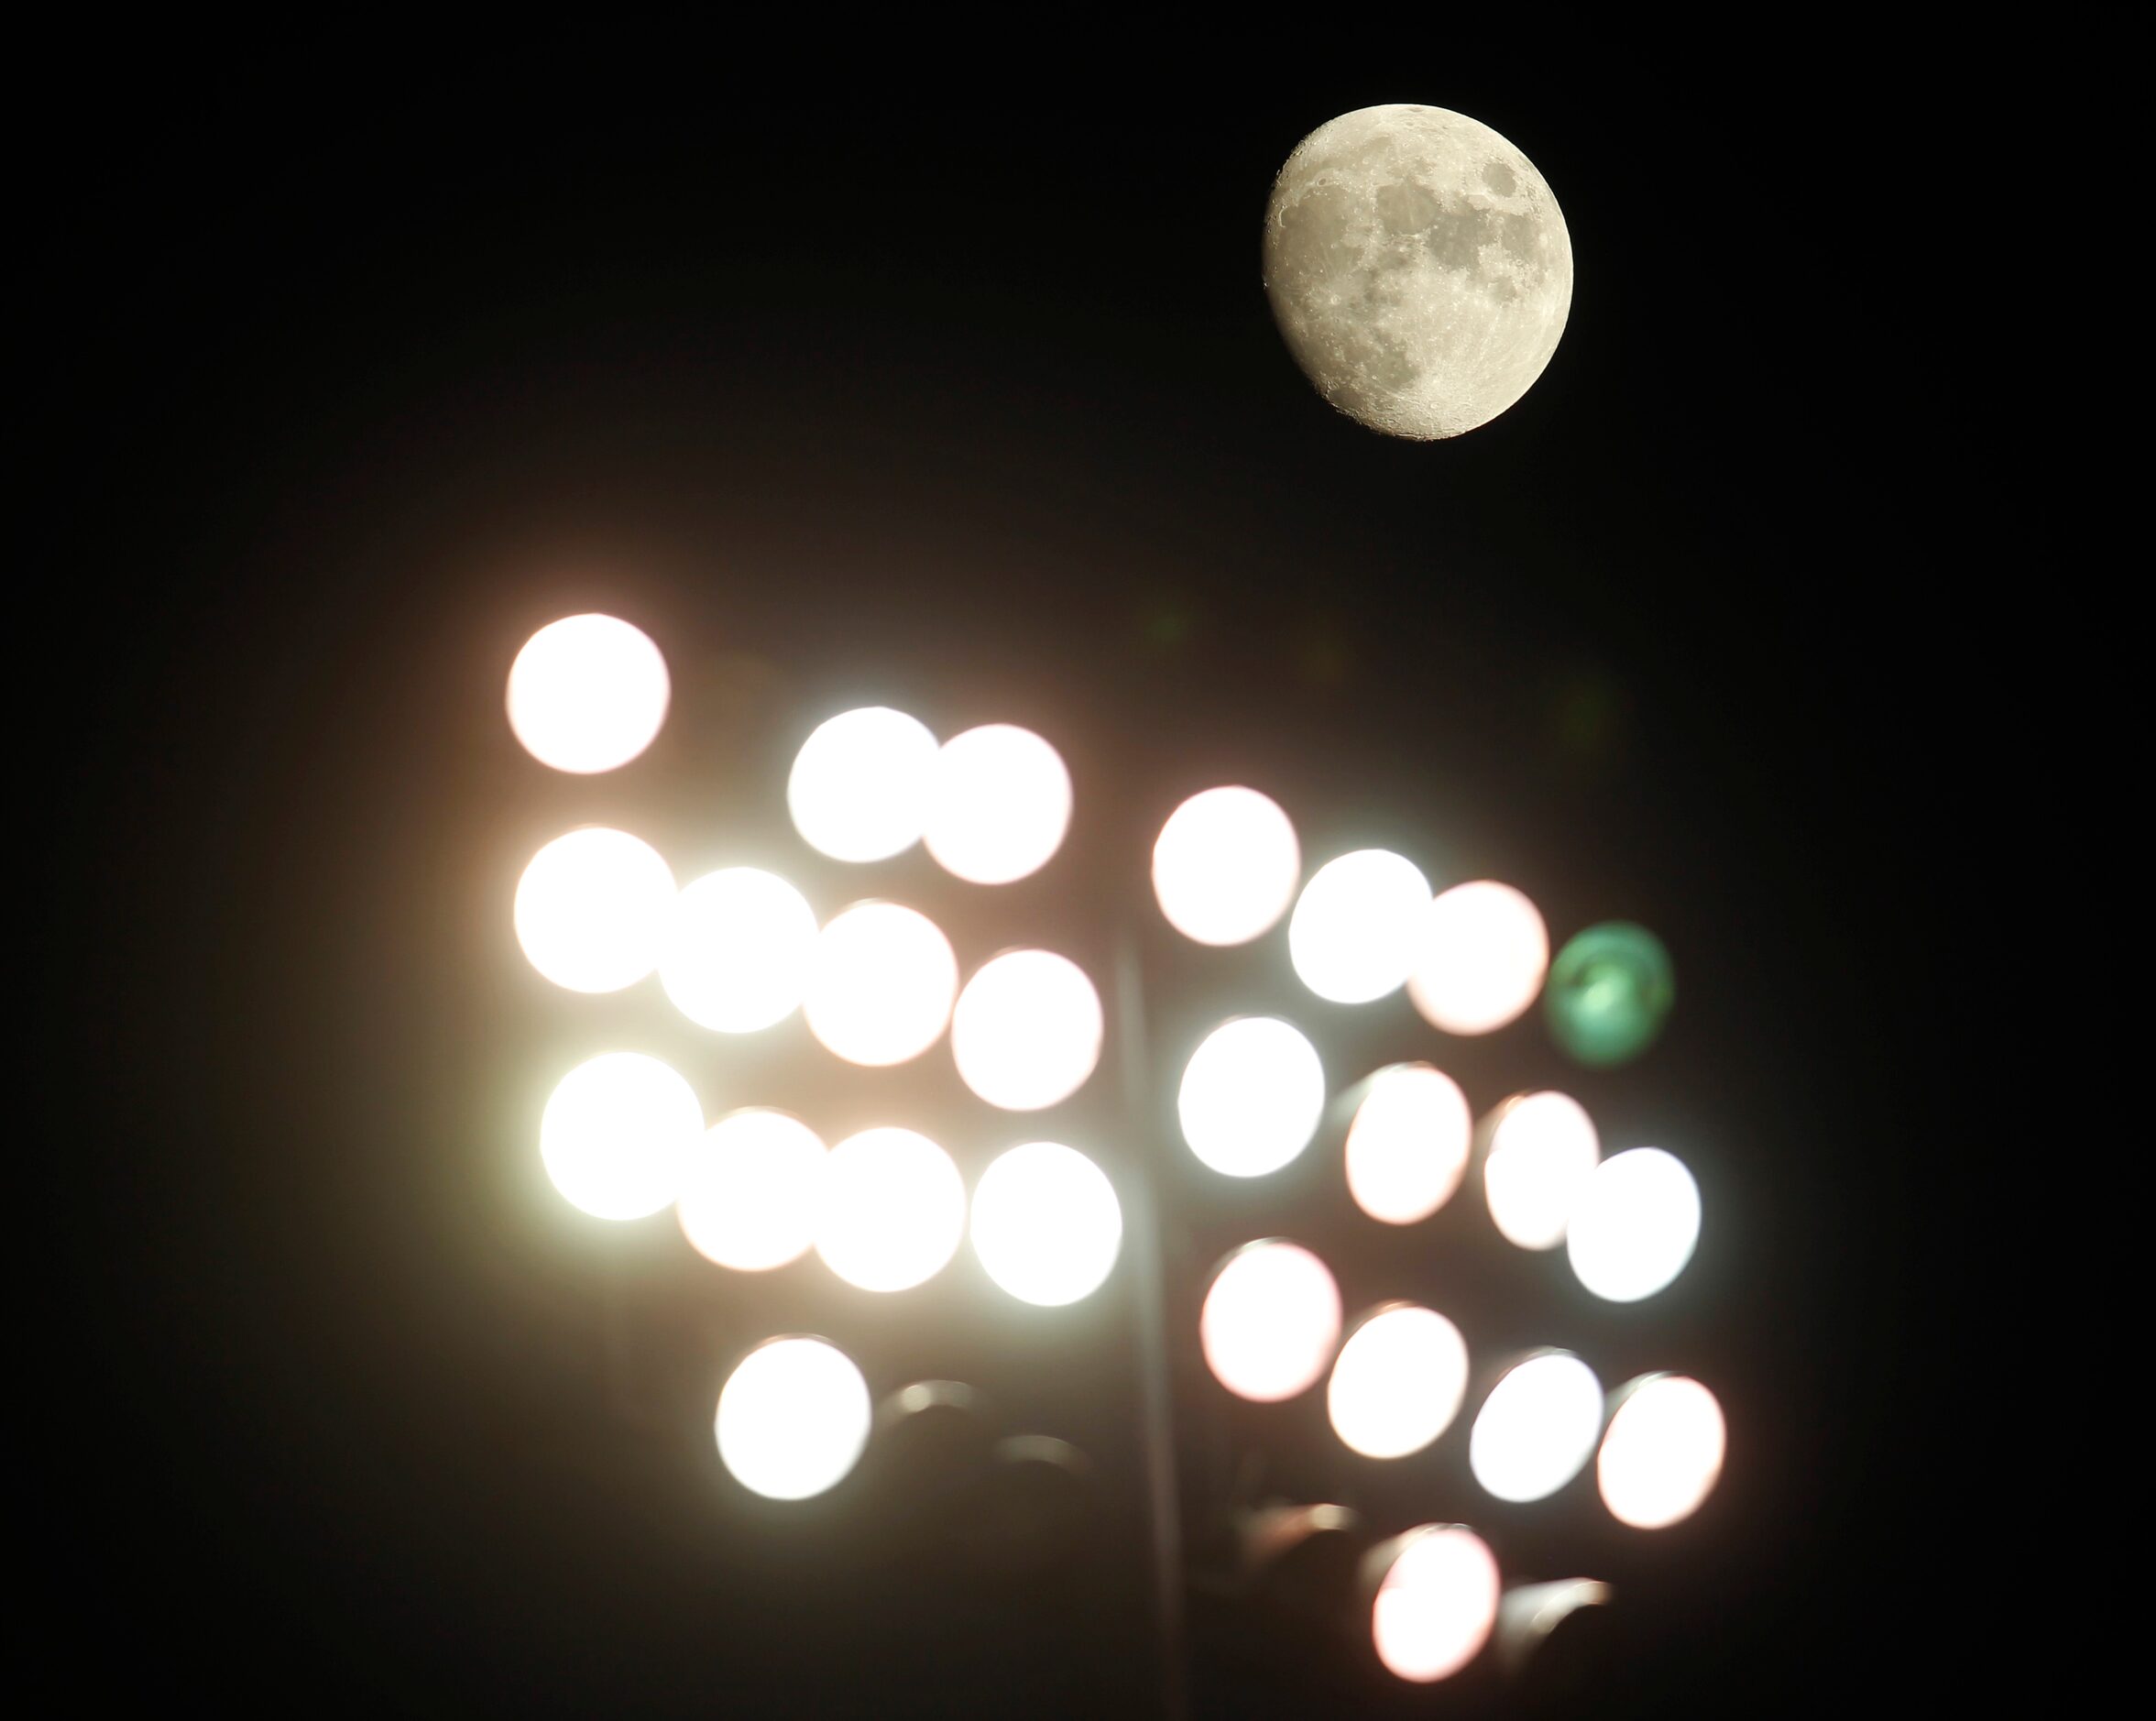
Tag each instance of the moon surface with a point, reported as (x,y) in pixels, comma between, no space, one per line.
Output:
(1418,268)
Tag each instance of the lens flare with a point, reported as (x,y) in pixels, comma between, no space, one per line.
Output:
(1397,1383)
(616,1133)
(1352,937)
(890,1212)
(587,694)
(1270,1321)
(999,804)
(1226,865)
(1635,1226)
(881,982)
(1663,1453)
(592,909)
(1027,1030)
(1046,1225)
(859,786)
(1538,1427)
(1479,958)
(1543,1150)
(1611,989)
(738,950)
(1408,1144)
(1252,1096)
(1436,1604)
(749,1190)
(793,1419)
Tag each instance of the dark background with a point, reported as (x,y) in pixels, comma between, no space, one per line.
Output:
(343,383)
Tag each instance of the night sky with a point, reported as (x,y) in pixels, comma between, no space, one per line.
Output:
(972,405)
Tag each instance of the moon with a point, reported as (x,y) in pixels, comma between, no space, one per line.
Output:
(1419,266)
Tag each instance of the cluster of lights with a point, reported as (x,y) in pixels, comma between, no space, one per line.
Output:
(877,983)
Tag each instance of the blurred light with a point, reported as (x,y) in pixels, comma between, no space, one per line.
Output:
(1436,1607)
(1537,1428)
(1479,958)
(1226,866)
(738,949)
(999,804)
(890,1212)
(793,1419)
(1397,1383)
(1252,1096)
(593,908)
(1635,1226)
(1543,1149)
(881,981)
(587,694)
(1611,989)
(1407,1147)
(1270,1321)
(1027,1032)
(1046,1225)
(859,790)
(1351,938)
(749,1192)
(616,1133)
(1663,1451)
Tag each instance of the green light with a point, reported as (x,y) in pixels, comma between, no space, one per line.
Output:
(1610,990)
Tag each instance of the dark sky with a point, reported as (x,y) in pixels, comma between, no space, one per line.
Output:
(343,385)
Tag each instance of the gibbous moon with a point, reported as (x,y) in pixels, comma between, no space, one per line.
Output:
(1419,266)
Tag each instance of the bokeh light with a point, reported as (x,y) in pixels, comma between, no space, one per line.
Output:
(892,1210)
(1538,1427)
(1663,1453)
(999,804)
(1270,1321)
(1611,989)
(1226,866)
(793,1419)
(1046,1225)
(616,1133)
(587,694)
(1635,1224)
(1407,1147)
(859,786)
(1352,937)
(1027,1032)
(1397,1382)
(1252,1096)
(1479,957)
(737,950)
(751,1188)
(881,981)
(1436,1604)
(593,908)
(1542,1150)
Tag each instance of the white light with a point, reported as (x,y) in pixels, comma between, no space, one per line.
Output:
(1479,958)
(1437,1606)
(1270,1321)
(793,1419)
(997,806)
(892,1210)
(1027,1032)
(587,694)
(881,982)
(1537,1428)
(1635,1226)
(1046,1225)
(1226,866)
(593,908)
(616,1133)
(1351,938)
(859,790)
(750,1193)
(1543,1150)
(1663,1453)
(1397,1383)
(1252,1096)
(736,951)
(1407,1147)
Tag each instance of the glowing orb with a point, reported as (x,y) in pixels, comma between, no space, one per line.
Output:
(892,1210)
(1407,1147)
(1436,1604)
(738,950)
(1538,1427)
(616,1133)
(859,790)
(1662,1454)
(999,804)
(1543,1149)
(592,909)
(587,694)
(1635,1225)
(751,1190)
(881,982)
(1397,1382)
(793,1419)
(1046,1225)
(1270,1321)
(1252,1096)
(1352,937)
(1479,958)
(1027,1029)
(1226,866)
